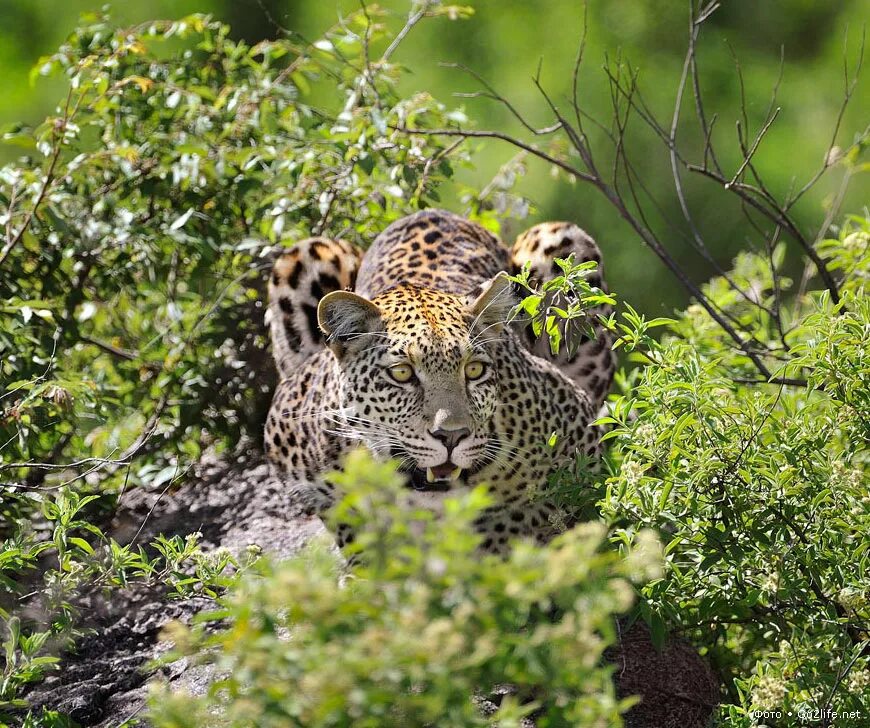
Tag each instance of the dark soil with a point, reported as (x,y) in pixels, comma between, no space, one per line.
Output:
(104,683)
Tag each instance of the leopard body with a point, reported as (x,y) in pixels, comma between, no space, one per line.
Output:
(431,294)
(406,349)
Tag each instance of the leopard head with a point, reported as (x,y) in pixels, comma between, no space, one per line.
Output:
(418,378)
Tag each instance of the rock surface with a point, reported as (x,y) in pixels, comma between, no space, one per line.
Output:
(104,683)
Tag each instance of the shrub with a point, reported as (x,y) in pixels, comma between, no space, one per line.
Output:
(409,635)
(758,490)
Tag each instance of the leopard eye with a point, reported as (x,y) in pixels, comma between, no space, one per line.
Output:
(401,372)
(475,370)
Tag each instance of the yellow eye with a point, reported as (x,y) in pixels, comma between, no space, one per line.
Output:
(402,372)
(475,369)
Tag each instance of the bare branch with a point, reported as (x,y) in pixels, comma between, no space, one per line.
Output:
(753,196)
(696,238)
(742,126)
(748,153)
(574,136)
(477,134)
(848,90)
(412,20)
(111,349)
(494,95)
(706,128)
(575,71)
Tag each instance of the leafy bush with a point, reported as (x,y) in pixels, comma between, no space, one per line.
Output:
(757,489)
(420,625)
(760,490)
(136,239)
(131,277)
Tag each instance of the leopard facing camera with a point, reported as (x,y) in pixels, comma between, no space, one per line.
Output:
(406,350)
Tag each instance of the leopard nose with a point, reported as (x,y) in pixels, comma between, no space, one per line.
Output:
(450,438)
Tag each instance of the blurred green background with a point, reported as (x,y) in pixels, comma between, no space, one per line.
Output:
(504,42)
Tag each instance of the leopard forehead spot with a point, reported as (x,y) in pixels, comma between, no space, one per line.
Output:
(425,320)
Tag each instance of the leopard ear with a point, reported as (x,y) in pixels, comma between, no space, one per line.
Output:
(491,308)
(346,318)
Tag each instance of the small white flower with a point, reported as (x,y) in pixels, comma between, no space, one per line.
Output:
(645,435)
(852,598)
(769,693)
(770,583)
(632,471)
(859,681)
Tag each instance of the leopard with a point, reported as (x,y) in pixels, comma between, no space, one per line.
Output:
(410,349)
(407,349)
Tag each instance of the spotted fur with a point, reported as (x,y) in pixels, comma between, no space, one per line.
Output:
(300,278)
(427,293)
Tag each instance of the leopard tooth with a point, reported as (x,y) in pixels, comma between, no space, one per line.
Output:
(455,474)
(430,475)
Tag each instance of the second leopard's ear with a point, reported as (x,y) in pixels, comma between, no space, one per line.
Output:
(491,305)
(347,319)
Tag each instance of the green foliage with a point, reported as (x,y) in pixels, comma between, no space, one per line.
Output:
(131,286)
(134,258)
(760,491)
(82,560)
(561,307)
(417,627)
(23,663)
(505,41)
(137,233)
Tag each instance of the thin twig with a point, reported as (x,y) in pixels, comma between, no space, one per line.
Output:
(756,198)
(492,94)
(848,91)
(477,134)
(748,154)
(413,19)
(111,349)
(57,135)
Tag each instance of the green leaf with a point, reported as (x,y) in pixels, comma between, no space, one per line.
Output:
(82,544)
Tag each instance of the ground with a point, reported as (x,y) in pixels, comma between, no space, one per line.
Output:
(105,681)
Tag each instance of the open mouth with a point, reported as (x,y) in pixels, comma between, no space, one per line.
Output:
(434,480)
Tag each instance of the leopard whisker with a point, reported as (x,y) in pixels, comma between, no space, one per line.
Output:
(514,448)
(475,341)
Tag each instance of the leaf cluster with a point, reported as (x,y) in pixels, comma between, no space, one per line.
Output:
(759,491)
(419,625)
